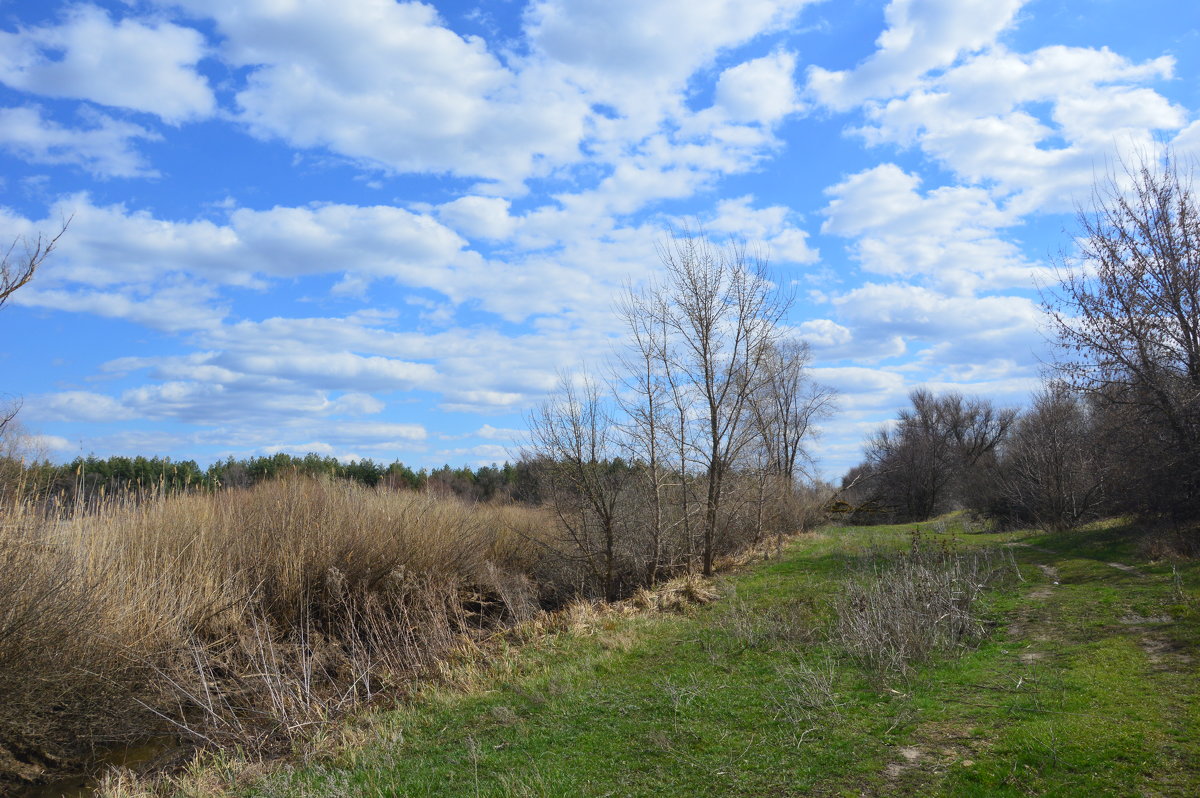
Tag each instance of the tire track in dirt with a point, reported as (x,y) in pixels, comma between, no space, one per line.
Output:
(938,748)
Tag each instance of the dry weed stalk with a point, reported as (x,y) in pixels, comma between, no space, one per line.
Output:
(907,607)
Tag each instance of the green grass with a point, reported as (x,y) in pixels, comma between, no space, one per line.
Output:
(1087,687)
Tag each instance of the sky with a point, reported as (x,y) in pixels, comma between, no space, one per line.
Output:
(381,229)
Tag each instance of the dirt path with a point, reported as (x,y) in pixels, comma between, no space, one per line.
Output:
(1071,609)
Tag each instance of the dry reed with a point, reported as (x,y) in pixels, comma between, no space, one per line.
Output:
(243,616)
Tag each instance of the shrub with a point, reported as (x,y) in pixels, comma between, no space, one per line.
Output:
(903,609)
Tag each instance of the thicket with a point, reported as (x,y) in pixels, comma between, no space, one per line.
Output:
(243,616)
(1117,428)
(695,445)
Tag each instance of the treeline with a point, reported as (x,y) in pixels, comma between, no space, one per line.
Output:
(91,478)
(1117,428)
(1054,465)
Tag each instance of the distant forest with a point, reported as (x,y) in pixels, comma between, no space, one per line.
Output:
(89,478)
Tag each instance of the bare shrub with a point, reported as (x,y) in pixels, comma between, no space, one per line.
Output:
(63,678)
(904,609)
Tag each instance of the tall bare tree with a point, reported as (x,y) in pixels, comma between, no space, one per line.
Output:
(722,316)
(786,403)
(1127,317)
(644,395)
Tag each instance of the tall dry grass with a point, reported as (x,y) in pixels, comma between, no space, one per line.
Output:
(903,608)
(243,616)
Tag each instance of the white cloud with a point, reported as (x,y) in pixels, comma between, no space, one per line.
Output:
(772,230)
(173,307)
(984,119)
(949,235)
(635,56)
(483,454)
(479,217)
(142,65)
(389,84)
(103,148)
(824,333)
(922,35)
(488,432)
(859,387)
(76,406)
(41,445)
(980,328)
(761,90)
(332,370)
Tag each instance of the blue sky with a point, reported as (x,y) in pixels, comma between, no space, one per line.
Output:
(379,229)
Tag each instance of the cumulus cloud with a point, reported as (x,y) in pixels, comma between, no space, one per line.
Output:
(110,246)
(921,35)
(41,445)
(488,432)
(479,217)
(391,85)
(635,57)
(103,148)
(950,235)
(985,120)
(172,307)
(141,65)
(774,230)
(761,90)
(77,406)
(981,328)
(114,252)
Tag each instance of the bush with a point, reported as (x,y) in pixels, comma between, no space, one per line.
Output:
(903,609)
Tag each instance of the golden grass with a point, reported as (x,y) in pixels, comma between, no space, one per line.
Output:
(243,616)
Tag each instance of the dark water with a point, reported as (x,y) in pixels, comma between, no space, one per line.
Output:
(139,756)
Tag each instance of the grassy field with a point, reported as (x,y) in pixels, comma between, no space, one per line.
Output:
(1084,682)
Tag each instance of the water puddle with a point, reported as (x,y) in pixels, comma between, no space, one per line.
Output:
(136,757)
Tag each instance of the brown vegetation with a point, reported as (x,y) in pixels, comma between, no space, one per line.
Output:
(241,616)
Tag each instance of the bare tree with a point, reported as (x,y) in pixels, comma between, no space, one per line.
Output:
(1051,470)
(1127,318)
(15,272)
(722,316)
(574,442)
(644,396)
(786,403)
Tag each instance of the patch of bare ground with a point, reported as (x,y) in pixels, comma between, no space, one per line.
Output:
(1031,546)
(1129,569)
(1022,626)
(941,747)
(908,756)
(1050,571)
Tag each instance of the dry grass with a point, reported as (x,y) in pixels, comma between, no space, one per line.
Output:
(908,607)
(240,617)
